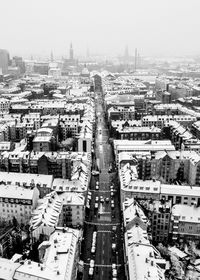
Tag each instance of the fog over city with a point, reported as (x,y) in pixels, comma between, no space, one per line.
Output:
(157,28)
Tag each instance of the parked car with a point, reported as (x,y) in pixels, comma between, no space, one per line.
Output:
(96,205)
(91,271)
(92,263)
(95,172)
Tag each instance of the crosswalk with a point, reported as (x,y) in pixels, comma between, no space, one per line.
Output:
(103,265)
(102,224)
(104,231)
(99,191)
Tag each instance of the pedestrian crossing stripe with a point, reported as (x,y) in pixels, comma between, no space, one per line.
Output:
(101,224)
(104,231)
(103,265)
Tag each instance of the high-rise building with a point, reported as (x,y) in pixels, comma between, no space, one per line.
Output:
(18,62)
(4,60)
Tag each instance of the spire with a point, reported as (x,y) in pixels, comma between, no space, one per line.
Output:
(71,52)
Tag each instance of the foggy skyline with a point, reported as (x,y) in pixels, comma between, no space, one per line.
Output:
(155,27)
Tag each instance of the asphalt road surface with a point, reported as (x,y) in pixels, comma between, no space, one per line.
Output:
(103,218)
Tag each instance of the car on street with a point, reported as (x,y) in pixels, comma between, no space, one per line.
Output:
(113,246)
(112,201)
(97,187)
(97,183)
(114,266)
(96,206)
(88,204)
(96,198)
(95,172)
(114,272)
(101,199)
(114,228)
(112,205)
(112,193)
(93,249)
(92,263)
(107,199)
(91,271)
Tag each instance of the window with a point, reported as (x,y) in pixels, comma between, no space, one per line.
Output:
(84,146)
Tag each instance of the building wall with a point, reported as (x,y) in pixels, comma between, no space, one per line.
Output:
(84,145)
(73,215)
(42,146)
(4,59)
(21,209)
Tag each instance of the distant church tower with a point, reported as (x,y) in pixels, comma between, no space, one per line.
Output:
(52,59)
(71,52)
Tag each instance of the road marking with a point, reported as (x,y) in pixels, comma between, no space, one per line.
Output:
(99,191)
(101,224)
(104,231)
(103,265)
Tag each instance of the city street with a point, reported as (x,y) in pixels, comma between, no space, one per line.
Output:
(101,217)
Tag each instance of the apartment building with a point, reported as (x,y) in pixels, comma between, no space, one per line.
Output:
(46,217)
(130,146)
(143,259)
(185,222)
(59,256)
(73,208)
(44,141)
(162,120)
(159,215)
(27,180)
(4,105)
(181,137)
(138,133)
(18,202)
(155,190)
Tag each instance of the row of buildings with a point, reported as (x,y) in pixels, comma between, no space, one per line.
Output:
(58,258)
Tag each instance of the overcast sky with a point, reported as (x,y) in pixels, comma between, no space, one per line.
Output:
(155,27)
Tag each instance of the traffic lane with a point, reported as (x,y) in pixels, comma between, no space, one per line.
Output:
(103,256)
(87,248)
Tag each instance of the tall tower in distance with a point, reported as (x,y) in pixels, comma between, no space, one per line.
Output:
(126,54)
(52,59)
(71,52)
(4,61)
(136,58)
